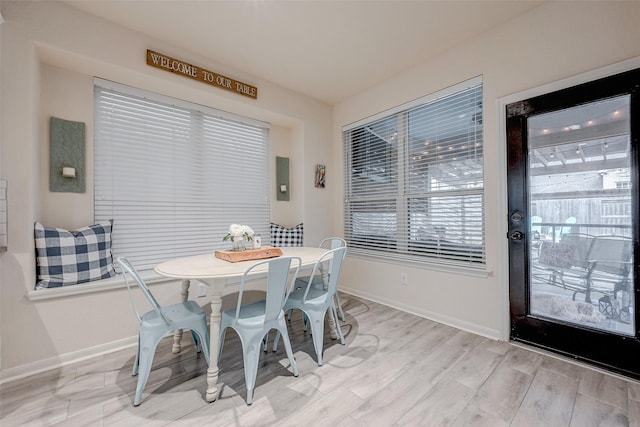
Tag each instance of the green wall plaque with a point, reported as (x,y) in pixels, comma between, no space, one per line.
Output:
(282,178)
(66,155)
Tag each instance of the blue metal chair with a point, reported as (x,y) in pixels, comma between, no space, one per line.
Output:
(156,323)
(317,281)
(315,301)
(253,321)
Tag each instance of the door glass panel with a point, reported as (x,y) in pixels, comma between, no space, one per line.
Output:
(580,269)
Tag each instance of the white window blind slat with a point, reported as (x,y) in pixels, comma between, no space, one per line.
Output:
(174,175)
(414,184)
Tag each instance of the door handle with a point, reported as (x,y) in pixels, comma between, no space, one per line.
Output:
(516,235)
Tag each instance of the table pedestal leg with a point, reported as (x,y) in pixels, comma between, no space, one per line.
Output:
(214,335)
(177,335)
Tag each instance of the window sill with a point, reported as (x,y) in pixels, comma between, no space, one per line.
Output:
(112,283)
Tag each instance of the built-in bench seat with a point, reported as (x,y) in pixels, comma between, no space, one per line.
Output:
(102,285)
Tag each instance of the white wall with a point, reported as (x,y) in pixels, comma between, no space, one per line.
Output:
(550,43)
(50,53)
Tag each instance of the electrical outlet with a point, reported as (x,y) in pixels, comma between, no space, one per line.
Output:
(202,290)
(404,280)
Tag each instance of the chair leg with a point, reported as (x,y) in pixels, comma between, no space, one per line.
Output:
(338,328)
(136,362)
(196,341)
(223,333)
(317,331)
(147,351)
(339,304)
(203,338)
(305,320)
(287,346)
(251,355)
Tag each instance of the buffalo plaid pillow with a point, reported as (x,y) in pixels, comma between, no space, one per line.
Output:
(70,257)
(282,236)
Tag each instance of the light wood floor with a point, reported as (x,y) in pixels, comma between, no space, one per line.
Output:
(396,369)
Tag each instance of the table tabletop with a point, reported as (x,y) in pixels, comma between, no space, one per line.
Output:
(208,266)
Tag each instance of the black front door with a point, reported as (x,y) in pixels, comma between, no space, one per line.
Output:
(573,214)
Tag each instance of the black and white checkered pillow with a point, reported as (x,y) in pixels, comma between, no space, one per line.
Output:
(70,257)
(282,236)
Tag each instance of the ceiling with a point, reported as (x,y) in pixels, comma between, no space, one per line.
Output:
(328,50)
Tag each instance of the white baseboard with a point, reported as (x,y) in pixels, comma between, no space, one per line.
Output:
(44,365)
(436,317)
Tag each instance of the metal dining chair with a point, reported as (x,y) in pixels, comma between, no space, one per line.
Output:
(317,281)
(315,301)
(253,321)
(156,323)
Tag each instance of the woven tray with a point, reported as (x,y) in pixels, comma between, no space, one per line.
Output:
(249,254)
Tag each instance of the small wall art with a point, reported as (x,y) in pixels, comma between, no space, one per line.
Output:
(321,171)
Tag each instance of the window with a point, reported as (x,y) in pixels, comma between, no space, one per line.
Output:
(414,180)
(174,175)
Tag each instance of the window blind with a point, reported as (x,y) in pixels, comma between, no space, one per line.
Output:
(173,175)
(414,181)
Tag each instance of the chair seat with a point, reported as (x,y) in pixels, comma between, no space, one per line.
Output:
(318,284)
(176,314)
(315,297)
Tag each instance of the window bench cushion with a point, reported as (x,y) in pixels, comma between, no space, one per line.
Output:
(70,257)
(114,283)
(282,236)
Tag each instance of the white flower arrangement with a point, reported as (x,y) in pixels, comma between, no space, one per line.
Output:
(237,231)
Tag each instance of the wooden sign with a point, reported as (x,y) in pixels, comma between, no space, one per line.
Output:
(176,66)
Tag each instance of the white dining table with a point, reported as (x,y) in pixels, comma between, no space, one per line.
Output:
(222,277)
